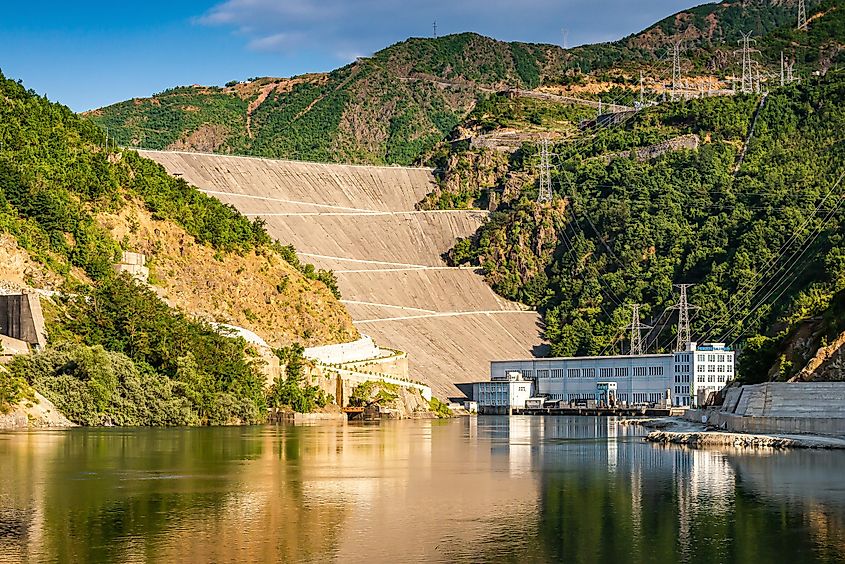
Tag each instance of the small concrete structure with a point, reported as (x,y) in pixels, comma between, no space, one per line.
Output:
(355,351)
(21,319)
(10,347)
(135,264)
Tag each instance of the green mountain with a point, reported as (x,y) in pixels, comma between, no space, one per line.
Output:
(119,353)
(739,195)
(395,106)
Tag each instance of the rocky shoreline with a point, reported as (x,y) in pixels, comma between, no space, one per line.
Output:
(683,432)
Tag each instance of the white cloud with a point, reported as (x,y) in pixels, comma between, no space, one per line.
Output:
(341,28)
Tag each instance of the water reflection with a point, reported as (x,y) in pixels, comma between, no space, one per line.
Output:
(474,489)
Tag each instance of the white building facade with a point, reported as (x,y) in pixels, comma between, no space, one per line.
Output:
(499,395)
(683,378)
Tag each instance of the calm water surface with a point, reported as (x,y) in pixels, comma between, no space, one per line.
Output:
(467,490)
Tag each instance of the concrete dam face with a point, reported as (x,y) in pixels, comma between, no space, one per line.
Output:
(360,222)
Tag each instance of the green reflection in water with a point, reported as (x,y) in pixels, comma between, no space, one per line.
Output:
(468,490)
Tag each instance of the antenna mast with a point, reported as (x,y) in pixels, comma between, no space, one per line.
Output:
(434,26)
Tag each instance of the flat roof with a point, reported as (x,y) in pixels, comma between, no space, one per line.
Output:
(612,357)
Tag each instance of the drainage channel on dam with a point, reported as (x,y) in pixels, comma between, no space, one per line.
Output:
(361,222)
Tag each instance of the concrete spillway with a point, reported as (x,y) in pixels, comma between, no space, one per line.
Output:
(360,222)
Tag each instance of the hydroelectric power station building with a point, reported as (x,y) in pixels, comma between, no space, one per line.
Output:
(683,378)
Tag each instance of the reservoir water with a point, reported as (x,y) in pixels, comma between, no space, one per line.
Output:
(486,489)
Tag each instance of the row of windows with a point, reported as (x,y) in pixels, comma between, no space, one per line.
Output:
(493,386)
(682,368)
(617,372)
(647,397)
(682,378)
(682,400)
(681,390)
(715,368)
(711,358)
(713,378)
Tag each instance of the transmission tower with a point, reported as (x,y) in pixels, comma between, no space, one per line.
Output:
(790,78)
(683,308)
(565,33)
(636,331)
(676,69)
(802,15)
(434,26)
(642,90)
(747,84)
(545,193)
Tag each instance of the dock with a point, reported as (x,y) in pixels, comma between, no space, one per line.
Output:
(601,411)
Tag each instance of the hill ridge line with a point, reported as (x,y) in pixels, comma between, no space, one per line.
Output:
(247,157)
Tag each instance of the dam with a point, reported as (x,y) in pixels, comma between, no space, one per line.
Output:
(361,222)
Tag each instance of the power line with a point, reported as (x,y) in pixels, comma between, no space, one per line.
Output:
(745,290)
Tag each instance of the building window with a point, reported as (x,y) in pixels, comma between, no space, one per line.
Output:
(655,371)
(605,372)
(589,373)
(557,372)
(711,368)
(542,374)
(639,371)
(711,358)
(621,372)
(573,372)
(527,374)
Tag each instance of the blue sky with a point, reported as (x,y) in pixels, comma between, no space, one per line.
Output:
(92,53)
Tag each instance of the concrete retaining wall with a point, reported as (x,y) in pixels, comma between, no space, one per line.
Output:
(356,351)
(21,318)
(780,407)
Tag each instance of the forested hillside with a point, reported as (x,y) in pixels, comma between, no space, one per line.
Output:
(763,243)
(395,106)
(119,353)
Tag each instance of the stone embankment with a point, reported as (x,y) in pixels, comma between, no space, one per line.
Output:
(362,222)
(683,431)
(720,438)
